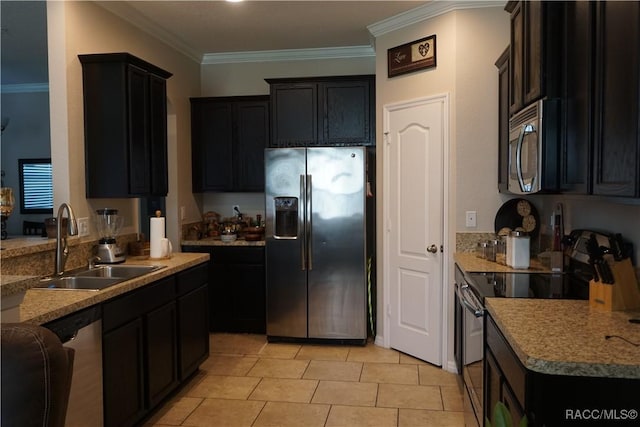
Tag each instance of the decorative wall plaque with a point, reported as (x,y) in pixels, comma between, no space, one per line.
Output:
(414,56)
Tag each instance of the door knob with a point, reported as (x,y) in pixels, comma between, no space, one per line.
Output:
(432,249)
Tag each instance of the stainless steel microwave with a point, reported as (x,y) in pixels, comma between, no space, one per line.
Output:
(534,135)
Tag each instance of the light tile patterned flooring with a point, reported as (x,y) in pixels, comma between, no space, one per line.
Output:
(249,382)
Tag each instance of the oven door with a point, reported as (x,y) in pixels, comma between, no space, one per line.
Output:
(469,341)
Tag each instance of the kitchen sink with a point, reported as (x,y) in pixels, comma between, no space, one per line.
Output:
(120,271)
(97,278)
(79,282)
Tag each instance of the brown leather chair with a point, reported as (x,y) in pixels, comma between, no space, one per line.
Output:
(36,376)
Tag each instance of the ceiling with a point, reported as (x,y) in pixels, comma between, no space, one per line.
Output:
(204,30)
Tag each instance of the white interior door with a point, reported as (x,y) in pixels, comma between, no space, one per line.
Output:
(414,198)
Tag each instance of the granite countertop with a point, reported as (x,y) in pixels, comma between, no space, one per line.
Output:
(566,337)
(215,241)
(13,284)
(24,245)
(470,262)
(44,305)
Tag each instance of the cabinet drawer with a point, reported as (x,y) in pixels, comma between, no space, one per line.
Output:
(511,367)
(193,278)
(138,302)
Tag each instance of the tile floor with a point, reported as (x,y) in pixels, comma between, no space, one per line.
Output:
(249,382)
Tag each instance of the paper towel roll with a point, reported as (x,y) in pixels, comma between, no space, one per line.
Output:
(156,234)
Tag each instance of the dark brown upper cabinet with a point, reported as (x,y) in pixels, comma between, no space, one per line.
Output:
(616,148)
(125,124)
(322,111)
(600,152)
(228,138)
(535,37)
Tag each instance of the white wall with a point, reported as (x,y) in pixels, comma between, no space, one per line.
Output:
(482,36)
(608,214)
(247,78)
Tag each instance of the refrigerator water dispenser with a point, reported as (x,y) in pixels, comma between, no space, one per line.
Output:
(286,225)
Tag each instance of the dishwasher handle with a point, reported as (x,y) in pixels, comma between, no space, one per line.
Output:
(469,300)
(67,328)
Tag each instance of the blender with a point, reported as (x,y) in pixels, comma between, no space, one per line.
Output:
(109,224)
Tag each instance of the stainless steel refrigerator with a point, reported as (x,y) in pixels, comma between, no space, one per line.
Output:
(315,240)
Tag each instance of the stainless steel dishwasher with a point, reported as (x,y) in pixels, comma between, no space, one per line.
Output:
(82,331)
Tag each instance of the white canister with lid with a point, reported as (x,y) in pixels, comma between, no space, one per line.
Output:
(518,244)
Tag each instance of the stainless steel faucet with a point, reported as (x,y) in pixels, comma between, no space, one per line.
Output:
(62,250)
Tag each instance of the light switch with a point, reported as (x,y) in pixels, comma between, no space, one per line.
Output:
(83,226)
(471,219)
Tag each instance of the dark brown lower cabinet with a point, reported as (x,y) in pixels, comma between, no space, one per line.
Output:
(153,338)
(552,400)
(237,291)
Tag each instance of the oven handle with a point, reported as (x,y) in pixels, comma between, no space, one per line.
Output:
(466,297)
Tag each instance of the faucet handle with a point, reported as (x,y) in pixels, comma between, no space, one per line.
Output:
(93,260)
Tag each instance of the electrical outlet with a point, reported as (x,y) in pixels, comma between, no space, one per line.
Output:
(183,213)
(471,219)
(83,226)
(234,212)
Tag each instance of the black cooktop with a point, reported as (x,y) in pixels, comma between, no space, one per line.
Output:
(528,285)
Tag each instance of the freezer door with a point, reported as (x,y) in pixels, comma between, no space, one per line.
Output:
(286,274)
(337,258)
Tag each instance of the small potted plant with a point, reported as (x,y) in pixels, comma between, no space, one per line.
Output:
(502,417)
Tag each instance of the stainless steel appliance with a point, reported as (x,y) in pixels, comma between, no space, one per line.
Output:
(82,331)
(315,239)
(109,224)
(534,141)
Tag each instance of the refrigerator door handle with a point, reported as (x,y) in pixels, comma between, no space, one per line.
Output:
(309,223)
(301,223)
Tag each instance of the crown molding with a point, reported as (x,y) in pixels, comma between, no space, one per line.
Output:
(25,88)
(131,15)
(427,11)
(289,55)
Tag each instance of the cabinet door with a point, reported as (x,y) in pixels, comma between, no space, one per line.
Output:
(346,113)
(161,349)
(193,330)
(516,59)
(123,367)
(532,51)
(503,121)
(294,112)
(251,130)
(212,144)
(575,152)
(512,404)
(248,299)
(221,285)
(617,139)
(492,384)
(158,135)
(139,150)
